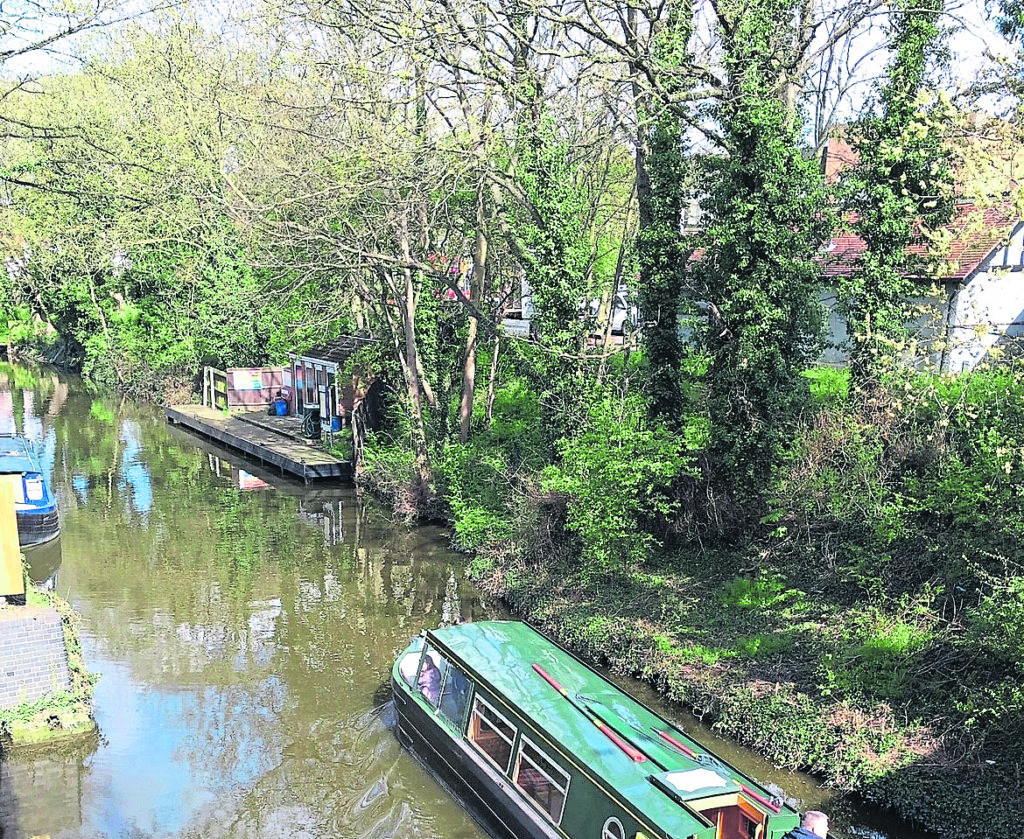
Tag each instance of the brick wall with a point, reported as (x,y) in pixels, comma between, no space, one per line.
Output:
(33,658)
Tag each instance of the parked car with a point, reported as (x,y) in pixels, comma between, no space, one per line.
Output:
(625,313)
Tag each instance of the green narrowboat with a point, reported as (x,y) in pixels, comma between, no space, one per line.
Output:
(539,745)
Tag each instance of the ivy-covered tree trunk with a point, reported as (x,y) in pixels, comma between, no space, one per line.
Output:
(766,221)
(476,293)
(413,374)
(662,263)
(898,193)
(659,187)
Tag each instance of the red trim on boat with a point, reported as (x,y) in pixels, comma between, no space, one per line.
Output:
(668,738)
(771,805)
(635,754)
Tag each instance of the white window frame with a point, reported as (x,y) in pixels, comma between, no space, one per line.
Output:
(606,831)
(440,697)
(426,651)
(477,698)
(524,740)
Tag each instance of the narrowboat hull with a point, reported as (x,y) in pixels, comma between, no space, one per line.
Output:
(37,526)
(35,508)
(487,796)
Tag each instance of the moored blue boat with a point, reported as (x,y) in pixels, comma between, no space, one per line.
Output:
(34,504)
(539,745)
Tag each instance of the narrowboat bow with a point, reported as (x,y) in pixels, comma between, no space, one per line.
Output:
(540,745)
(35,508)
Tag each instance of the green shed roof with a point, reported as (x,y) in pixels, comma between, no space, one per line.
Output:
(503,654)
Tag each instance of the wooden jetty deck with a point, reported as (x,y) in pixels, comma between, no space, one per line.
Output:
(262,441)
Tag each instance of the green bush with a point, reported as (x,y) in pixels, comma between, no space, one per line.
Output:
(488,482)
(878,666)
(913,492)
(478,484)
(992,692)
(763,592)
(389,467)
(516,425)
(829,385)
(764,646)
(617,473)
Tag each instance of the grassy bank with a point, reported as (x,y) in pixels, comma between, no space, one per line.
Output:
(755,661)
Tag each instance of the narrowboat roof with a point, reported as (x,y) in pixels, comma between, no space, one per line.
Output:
(665,787)
(16,455)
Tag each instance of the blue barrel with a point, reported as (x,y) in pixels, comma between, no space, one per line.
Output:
(281,407)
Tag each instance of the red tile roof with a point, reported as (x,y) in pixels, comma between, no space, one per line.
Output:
(975,233)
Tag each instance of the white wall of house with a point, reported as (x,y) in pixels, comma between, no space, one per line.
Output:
(837,348)
(986,314)
(988,310)
(925,333)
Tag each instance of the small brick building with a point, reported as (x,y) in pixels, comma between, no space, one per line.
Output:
(33,657)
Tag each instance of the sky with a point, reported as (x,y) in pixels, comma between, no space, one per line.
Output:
(974,35)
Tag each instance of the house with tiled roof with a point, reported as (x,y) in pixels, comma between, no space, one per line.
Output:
(979,307)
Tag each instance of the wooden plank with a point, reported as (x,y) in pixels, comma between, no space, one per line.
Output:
(12,575)
(287,426)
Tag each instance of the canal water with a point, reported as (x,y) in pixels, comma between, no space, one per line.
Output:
(242,628)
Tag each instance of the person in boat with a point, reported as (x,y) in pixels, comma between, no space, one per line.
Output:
(430,680)
(813,825)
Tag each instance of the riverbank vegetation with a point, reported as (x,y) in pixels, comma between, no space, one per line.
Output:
(823,562)
(869,632)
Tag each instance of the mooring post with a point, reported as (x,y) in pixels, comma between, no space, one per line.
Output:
(12,574)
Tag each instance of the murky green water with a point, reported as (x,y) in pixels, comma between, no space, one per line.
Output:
(243,629)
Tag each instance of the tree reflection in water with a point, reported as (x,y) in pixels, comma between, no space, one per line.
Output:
(242,637)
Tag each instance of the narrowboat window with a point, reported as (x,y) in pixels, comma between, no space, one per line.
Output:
(410,662)
(454,697)
(492,733)
(430,676)
(541,780)
(613,829)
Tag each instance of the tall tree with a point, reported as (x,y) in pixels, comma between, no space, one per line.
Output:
(660,193)
(134,258)
(900,191)
(765,223)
